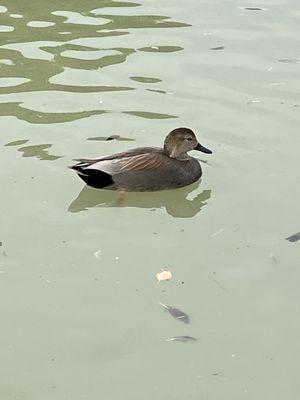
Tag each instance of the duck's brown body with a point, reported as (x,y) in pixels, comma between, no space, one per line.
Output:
(146,168)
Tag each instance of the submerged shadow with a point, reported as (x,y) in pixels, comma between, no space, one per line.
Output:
(176,202)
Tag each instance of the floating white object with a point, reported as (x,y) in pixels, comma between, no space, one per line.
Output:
(164,276)
(98,254)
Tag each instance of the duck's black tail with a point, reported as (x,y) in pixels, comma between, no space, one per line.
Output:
(93,177)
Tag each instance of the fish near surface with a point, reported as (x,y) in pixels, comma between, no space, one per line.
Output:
(176,313)
(294,238)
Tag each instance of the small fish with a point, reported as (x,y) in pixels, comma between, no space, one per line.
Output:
(176,313)
(183,339)
(294,237)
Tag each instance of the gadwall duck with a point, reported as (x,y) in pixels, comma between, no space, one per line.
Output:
(146,169)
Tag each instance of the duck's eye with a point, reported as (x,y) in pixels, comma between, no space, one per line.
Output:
(188,138)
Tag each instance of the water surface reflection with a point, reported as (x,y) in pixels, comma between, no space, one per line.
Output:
(46,47)
(178,203)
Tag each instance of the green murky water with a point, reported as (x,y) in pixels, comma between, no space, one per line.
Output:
(80,313)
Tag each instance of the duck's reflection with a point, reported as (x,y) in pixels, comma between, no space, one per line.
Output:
(176,202)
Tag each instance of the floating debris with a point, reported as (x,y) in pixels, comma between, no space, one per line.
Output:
(254,9)
(156,91)
(294,238)
(277,83)
(183,339)
(290,60)
(114,137)
(111,137)
(217,233)
(253,101)
(164,276)
(98,254)
(176,313)
(218,284)
(218,48)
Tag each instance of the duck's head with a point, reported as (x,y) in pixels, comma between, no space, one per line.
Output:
(180,141)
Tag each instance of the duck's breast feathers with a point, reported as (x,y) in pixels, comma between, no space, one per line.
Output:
(140,162)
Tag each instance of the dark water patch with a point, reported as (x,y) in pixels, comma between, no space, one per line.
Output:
(112,33)
(38,117)
(39,151)
(88,64)
(33,7)
(102,62)
(56,50)
(74,21)
(38,71)
(28,87)
(109,3)
(150,115)
(17,142)
(145,79)
(161,49)
(30,55)
(23,87)
(88,89)
(140,21)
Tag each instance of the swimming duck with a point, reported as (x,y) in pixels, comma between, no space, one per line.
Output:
(146,169)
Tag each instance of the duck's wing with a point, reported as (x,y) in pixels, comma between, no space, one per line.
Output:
(122,155)
(140,162)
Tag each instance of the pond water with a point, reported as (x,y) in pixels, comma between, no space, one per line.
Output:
(80,312)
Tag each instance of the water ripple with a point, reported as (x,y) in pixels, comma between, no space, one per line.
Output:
(149,115)
(74,50)
(71,17)
(38,117)
(39,151)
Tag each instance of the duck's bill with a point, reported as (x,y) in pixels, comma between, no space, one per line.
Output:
(199,147)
